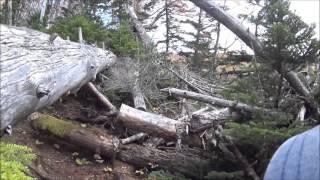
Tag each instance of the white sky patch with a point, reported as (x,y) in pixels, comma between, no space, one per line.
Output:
(307,9)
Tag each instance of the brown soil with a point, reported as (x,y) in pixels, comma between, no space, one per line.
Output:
(56,159)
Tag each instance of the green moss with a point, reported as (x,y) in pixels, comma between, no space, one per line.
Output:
(14,160)
(215,175)
(163,175)
(54,125)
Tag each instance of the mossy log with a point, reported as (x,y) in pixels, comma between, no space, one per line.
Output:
(187,163)
(35,72)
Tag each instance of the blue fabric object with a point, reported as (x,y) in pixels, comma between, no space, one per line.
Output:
(297,159)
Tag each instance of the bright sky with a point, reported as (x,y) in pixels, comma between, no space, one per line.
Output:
(307,9)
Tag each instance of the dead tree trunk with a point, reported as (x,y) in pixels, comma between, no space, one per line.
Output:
(149,123)
(154,125)
(222,102)
(231,23)
(35,72)
(186,163)
(138,98)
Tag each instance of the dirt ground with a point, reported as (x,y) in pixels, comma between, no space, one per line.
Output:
(57,159)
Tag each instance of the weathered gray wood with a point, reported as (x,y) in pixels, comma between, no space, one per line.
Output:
(80,35)
(222,102)
(9,13)
(150,123)
(138,98)
(35,73)
(139,27)
(236,27)
(43,7)
(154,125)
(210,116)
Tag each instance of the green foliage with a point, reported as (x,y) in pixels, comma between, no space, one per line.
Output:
(255,135)
(243,91)
(287,38)
(14,160)
(162,175)
(91,31)
(123,40)
(214,175)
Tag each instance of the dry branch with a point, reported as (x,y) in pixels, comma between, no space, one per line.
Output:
(222,102)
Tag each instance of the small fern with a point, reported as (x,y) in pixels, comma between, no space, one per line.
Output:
(14,160)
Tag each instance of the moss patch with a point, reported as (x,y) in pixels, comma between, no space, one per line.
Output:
(54,125)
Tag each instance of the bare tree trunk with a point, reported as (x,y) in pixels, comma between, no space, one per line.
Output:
(251,40)
(167,26)
(9,12)
(36,72)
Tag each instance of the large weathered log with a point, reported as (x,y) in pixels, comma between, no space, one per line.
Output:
(236,27)
(36,72)
(222,102)
(98,142)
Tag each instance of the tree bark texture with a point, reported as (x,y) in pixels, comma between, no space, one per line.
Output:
(36,72)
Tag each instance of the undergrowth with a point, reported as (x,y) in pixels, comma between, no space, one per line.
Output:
(14,160)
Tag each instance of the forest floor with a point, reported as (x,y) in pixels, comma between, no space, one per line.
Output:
(59,160)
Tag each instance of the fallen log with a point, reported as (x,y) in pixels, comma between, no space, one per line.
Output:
(189,164)
(224,103)
(154,125)
(36,72)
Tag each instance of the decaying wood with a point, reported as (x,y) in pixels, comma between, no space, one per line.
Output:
(104,144)
(154,125)
(133,138)
(149,123)
(200,119)
(236,27)
(138,98)
(222,102)
(35,72)
(101,97)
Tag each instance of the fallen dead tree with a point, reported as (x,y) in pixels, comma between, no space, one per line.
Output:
(189,164)
(223,103)
(154,125)
(35,72)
